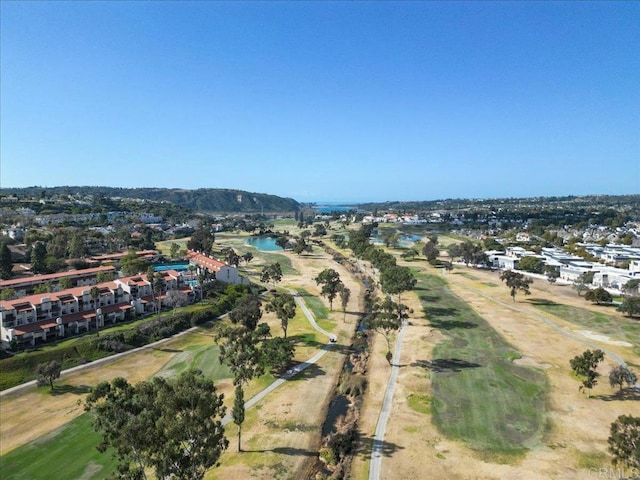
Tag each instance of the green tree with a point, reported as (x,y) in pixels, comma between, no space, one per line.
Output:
(131,264)
(331,284)
(174,248)
(583,282)
(396,279)
(94,293)
(6,263)
(38,258)
(247,311)
(621,374)
(48,372)
(598,295)
(284,306)
(301,246)
(531,264)
(516,282)
(247,257)
(271,273)
(202,240)
(240,351)
(344,293)
(45,287)
(624,442)
(238,413)
(170,426)
(585,366)
(388,317)
(77,246)
(630,306)
(631,287)
(277,353)
(7,294)
(430,251)
(102,277)
(552,273)
(65,283)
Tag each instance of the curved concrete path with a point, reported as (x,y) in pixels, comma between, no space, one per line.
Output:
(292,371)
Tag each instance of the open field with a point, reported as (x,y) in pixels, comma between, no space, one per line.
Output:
(576,427)
(479,395)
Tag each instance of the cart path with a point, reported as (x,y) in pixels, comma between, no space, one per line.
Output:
(385,411)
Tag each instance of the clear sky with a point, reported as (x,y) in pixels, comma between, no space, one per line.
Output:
(323,101)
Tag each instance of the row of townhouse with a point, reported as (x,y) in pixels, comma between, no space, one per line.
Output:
(78,278)
(212,267)
(44,317)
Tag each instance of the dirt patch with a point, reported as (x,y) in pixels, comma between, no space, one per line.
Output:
(602,338)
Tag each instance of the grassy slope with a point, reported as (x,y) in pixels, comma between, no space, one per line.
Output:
(480,396)
(68,452)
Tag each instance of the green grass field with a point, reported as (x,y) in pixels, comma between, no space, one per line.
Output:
(615,326)
(479,395)
(69,452)
(200,357)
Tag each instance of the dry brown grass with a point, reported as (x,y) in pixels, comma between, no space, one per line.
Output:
(578,427)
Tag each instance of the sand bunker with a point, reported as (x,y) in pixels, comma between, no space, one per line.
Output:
(530,362)
(602,338)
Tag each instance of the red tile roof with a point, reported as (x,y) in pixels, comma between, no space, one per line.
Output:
(54,276)
(205,261)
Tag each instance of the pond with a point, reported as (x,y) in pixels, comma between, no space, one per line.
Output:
(266,244)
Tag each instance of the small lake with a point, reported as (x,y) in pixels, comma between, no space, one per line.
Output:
(266,244)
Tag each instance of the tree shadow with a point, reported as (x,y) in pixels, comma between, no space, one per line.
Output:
(429,298)
(168,350)
(301,340)
(443,365)
(542,302)
(387,449)
(629,393)
(309,372)
(75,389)
(440,311)
(451,324)
(296,452)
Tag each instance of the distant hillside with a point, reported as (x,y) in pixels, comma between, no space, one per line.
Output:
(202,200)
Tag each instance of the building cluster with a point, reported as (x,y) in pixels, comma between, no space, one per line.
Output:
(571,267)
(31,318)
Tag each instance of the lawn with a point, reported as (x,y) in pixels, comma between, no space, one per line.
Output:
(479,395)
(613,325)
(68,452)
(200,357)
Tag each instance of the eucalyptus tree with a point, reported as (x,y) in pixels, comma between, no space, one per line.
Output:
(331,284)
(344,293)
(397,279)
(284,306)
(271,273)
(388,316)
(172,427)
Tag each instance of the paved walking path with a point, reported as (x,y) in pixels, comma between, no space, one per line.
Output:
(378,438)
(292,371)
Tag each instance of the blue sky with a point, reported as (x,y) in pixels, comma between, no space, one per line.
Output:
(323,101)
